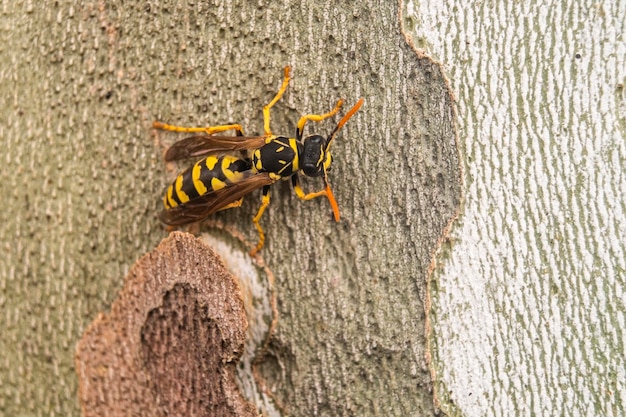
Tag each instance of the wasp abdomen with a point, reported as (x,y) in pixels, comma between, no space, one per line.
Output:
(209,174)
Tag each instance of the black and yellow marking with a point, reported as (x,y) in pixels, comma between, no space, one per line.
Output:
(279,156)
(209,174)
(236,165)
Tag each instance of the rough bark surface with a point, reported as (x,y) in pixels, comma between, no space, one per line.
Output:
(83,175)
(170,343)
(529,307)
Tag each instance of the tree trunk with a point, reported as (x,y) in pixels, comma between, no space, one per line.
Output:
(528,310)
(83,177)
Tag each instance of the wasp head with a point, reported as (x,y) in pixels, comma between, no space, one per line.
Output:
(316,158)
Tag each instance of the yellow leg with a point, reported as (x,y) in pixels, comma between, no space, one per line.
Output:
(300,192)
(257,218)
(279,94)
(295,182)
(317,117)
(234,204)
(209,130)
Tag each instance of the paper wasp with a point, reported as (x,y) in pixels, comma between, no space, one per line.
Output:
(236,165)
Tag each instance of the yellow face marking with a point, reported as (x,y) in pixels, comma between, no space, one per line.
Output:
(182,196)
(217,184)
(211,161)
(195,176)
(328,160)
(278,150)
(170,200)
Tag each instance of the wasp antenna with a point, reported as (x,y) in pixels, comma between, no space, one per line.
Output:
(331,198)
(343,121)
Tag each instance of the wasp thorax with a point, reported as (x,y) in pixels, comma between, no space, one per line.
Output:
(314,156)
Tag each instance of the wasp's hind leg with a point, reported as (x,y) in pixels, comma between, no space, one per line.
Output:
(265,202)
(234,204)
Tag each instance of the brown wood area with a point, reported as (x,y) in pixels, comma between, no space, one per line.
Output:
(170,344)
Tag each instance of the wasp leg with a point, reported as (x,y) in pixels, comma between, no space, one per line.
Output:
(295,182)
(255,220)
(279,94)
(209,130)
(234,204)
(316,118)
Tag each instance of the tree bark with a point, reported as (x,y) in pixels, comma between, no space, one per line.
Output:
(83,177)
(528,306)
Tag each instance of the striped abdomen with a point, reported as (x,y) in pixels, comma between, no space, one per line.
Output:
(209,174)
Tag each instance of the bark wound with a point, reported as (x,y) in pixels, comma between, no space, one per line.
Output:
(170,344)
(184,322)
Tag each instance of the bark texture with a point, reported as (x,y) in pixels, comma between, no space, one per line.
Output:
(83,175)
(528,309)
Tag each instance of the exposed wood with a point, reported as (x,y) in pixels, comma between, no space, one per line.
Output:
(171,342)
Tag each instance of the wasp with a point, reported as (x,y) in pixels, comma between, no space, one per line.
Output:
(234,166)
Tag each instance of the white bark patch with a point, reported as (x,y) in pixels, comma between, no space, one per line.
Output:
(529,314)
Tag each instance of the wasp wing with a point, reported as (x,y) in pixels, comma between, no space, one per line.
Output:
(195,146)
(201,207)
